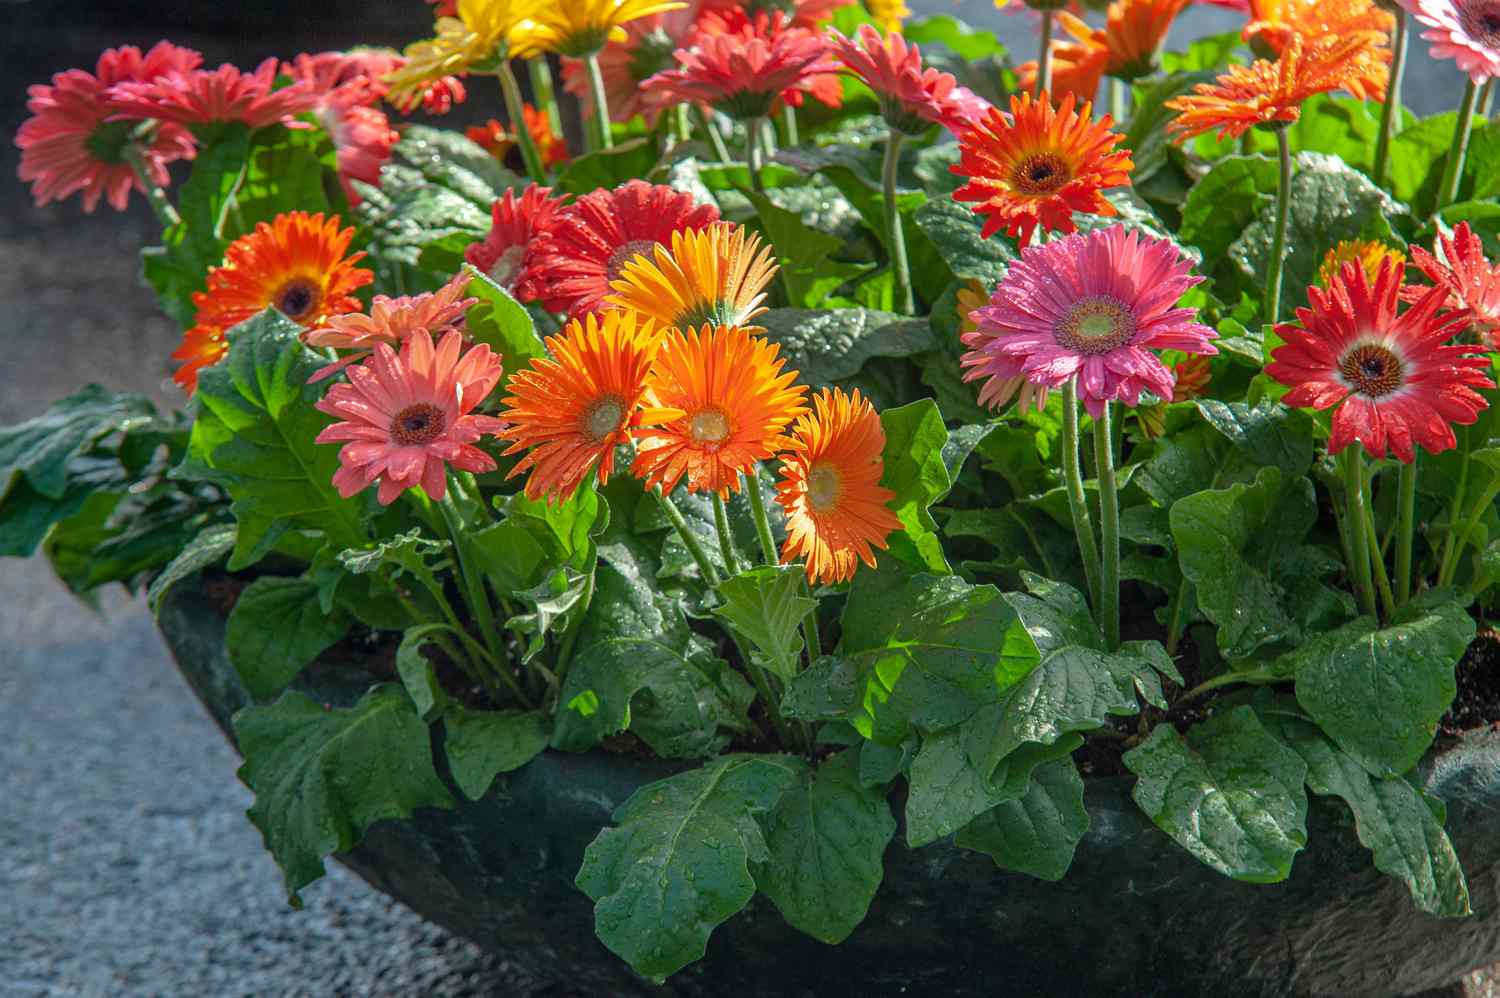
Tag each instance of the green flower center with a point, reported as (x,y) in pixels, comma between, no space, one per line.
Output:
(1096,325)
(603,418)
(108,141)
(824,485)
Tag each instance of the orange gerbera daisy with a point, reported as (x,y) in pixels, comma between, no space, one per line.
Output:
(573,408)
(716,275)
(1266,92)
(500,142)
(1368,253)
(1077,66)
(1274,22)
(1037,166)
(720,402)
(836,513)
(1126,47)
(202,346)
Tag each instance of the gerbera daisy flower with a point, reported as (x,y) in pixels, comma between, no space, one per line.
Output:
(624,65)
(589,242)
(70,146)
(342,77)
(517,226)
(407,417)
(296,263)
(1368,253)
(1093,306)
(888,13)
(718,402)
(1126,47)
(1394,382)
(836,513)
(1472,283)
(500,142)
(1038,165)
(391,321)
(1077,66)
(716,275)
(751,72)
(802,13)
(572,408)
(481,31)
(201,347)
(578,28)
(1266,92)
(206,96)
(1002,381)
(911,97)
(1191,378)
(1274,22)
(1466,31)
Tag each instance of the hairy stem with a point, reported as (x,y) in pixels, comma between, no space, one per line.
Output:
(601,102)
(726,539)
(1108,609)
(511,91)
(1454,170)
(165,213)
(1083,527)
(1272,302)
(1044,57)
(897,239)
(1406,525)
(758,513)
(695,547)
(1357,514)
(755,152)
(544,90)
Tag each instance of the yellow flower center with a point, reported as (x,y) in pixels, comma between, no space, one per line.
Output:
(1041,174)
(1372,370)
(603,418)
(709,427)
(298,299)
(417,424)
(824,485)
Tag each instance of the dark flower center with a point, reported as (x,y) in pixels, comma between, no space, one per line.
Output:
(297,299)
(417,424)
(1372,370)
(107,142)
(1481,21)
(603,418)
(624,254)
(1041,173)
(1095,325)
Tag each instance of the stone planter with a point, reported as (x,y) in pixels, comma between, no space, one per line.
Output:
(1136,915)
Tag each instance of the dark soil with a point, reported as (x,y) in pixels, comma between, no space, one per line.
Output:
(1477,705)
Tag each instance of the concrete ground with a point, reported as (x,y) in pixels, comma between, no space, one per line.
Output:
(127,866)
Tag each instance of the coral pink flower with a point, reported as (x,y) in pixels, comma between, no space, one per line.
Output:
(1473,284)
(911,98)
(624,66)
(391,321)
(69,146)
(803,13)
(589,242)
(1466,31)
(344,77)
(204,96)
(347,87)
(509,249)
(750,72)
(1094,306)
(407,417)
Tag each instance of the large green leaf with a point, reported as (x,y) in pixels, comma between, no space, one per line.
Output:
(502,322)
(1229,197)
(1379,695)
(915,436)
(678,862)
(276,629)
(1230,793)
(807,271)
(322,777)
(1266,434)
(826,839)
(1146,132)
(827,346)
(40,450)
(482,744)
(1419,155)
(207,548)
(1038,833)
(767,606)
(608,168)
(955,229)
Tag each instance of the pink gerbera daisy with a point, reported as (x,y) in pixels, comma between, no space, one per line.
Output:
(508,250)
(347,77)
(204,96)
(407,417)
(1392,377)
(391,321)
(69,146)
(1473,285)
(1093,306)
(803,13)
(624,66)
(589,242)
(1466,31)
(911,98)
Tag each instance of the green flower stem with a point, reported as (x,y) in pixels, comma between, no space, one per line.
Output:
(769,694)
(601,101)
(694,546)
(476,595)
(1466,529)
(1118,89)
(1487,99)
(763,533)
(1391,113)
(726,539)
(789,134)
(1044,57)
(165,213)
(1083,527)
(1406,525)
(1177,617)
(755,152)
(682,126)
(1108,609)
(715,139)
(1454,170)
(1382,581)
(1272,300)
(511,91)
(897,239)
(1359,551)
(546,93)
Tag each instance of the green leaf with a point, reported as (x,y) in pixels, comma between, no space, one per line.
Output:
(678,862)
(1038,833)
(26,515)
(482,744)
(826,840)
(1267,434)
(41,449)
(969,44)
(803,253)
(417,673)
(827,690)
(510,556)
(551,606)
(1419,155)
(955,229)
(1228,198)
(1146,133)
(915,436)
(766,605)
(826,347)
(1212,52)
(276,629)
(1380,695)
(1230,793)
(322,777)
(211,544)
(608,168)
(502,322)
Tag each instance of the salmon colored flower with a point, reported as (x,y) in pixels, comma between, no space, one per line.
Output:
(1472,282)
(343,77)
(508,252)
(1037,166)
(70,146)
(624,65)
(391,321)
(589,242)
(1466,31)
(407,417)
(574,407)
(1274,22)
(345,95)
(578,28)
(207,96)
(1391,380)
(1368,253)
(999,388)
(718,402)
(717,275)
(911,97)
(830,491)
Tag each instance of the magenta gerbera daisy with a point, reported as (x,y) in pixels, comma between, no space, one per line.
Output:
(406,417)
(1466,31)
(507,251)
(911,97)
(590,241)
(1473,284)
(1394,381)
(204,96)
(69,145)
(1093,306)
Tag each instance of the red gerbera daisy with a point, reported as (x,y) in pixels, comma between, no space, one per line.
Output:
(507,252)
(591,240)
(1473,284)
(203,96)
(346,77)
(68,145)
(911,98)
(1394,381)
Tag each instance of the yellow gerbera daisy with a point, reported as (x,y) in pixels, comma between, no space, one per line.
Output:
(888,13)
(1368,253)
(716,275)
(579,28)
(483,31)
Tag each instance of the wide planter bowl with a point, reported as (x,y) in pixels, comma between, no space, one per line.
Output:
(1136,915)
